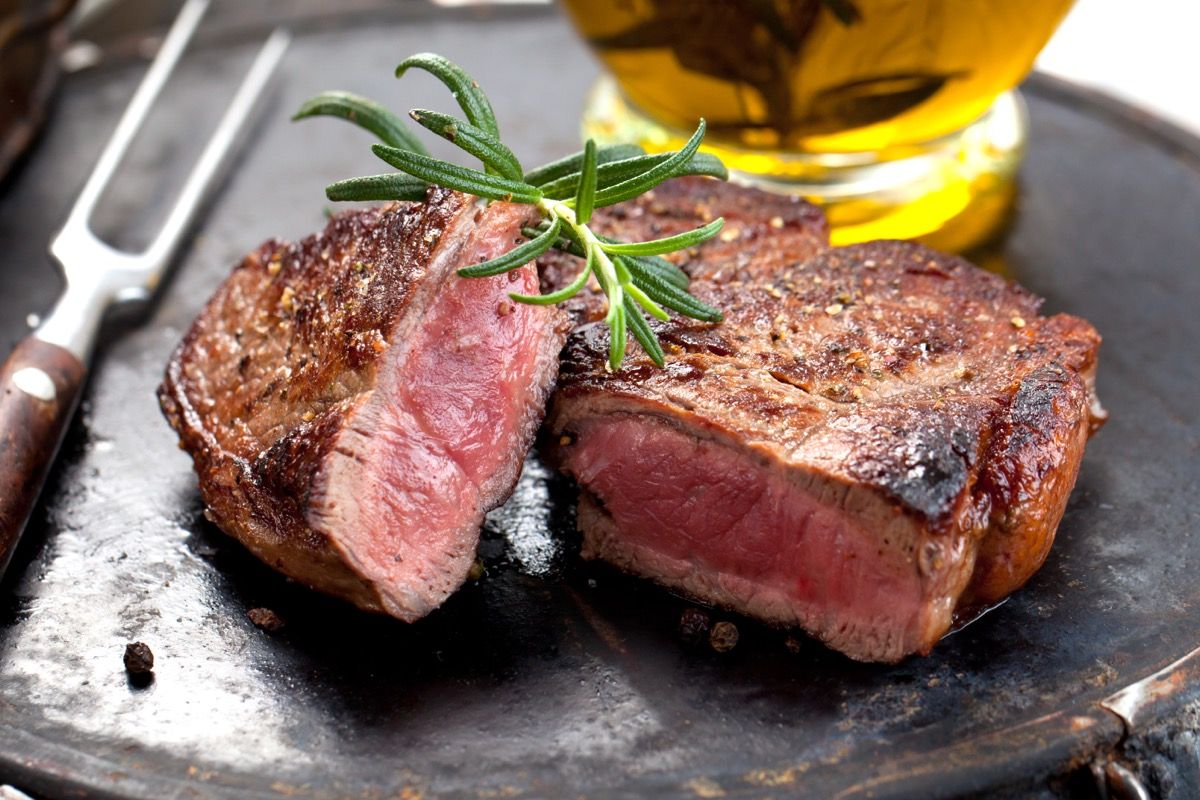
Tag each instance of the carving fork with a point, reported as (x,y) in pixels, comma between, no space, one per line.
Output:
(41,382)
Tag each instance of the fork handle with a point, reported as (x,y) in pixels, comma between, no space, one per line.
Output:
(40,385)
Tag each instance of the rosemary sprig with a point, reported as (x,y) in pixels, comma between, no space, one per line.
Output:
(634,278)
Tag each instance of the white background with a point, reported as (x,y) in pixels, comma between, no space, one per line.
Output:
(1144,51)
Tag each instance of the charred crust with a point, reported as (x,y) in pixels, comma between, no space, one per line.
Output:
(282,475)
(926,465)
(260,384)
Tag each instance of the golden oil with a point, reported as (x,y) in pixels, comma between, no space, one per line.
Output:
(893,114)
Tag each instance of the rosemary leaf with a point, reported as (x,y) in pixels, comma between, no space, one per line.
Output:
(653,265)
(367,114)
(653,176)
(392,186)
(615,172)
(661,268)
(667,244)
(641,331)
(624,277)
(667,294)
(531,232)
(567,244)
(565,293)
(476,141)
(645,302)
(452,176)
(518,256)
(585,196)
(466,91)
(573,163)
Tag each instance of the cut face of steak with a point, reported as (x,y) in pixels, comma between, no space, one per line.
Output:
(876,437)
(353,407)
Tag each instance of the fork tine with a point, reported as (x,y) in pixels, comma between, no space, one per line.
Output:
(98,276)
(135,113)
(226,134)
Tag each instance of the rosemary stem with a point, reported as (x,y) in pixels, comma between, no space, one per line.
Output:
(613,281)
(592,245)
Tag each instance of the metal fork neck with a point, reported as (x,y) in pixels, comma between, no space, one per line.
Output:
(75,320)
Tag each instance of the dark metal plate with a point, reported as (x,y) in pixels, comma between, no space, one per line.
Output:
(547,677)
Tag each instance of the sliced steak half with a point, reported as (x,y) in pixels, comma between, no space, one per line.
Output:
(353,407)
(875,437)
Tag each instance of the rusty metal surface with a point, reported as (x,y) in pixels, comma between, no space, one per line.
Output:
(1164,757)
(548,677)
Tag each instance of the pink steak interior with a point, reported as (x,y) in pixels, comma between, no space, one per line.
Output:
(721,525)
(433,447)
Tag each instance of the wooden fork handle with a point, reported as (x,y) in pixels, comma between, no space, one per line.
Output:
(40,386)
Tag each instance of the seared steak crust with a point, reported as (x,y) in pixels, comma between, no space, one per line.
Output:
(926,395)
(294,356)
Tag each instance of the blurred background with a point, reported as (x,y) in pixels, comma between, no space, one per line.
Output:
(955,191)
(1141,53)
(1144,53)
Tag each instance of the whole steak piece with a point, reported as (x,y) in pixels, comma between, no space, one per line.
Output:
(353,407)
(876,436)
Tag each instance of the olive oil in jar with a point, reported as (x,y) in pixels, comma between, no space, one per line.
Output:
(831,98)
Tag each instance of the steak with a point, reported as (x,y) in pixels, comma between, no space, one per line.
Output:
(876,437)
(353,407)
